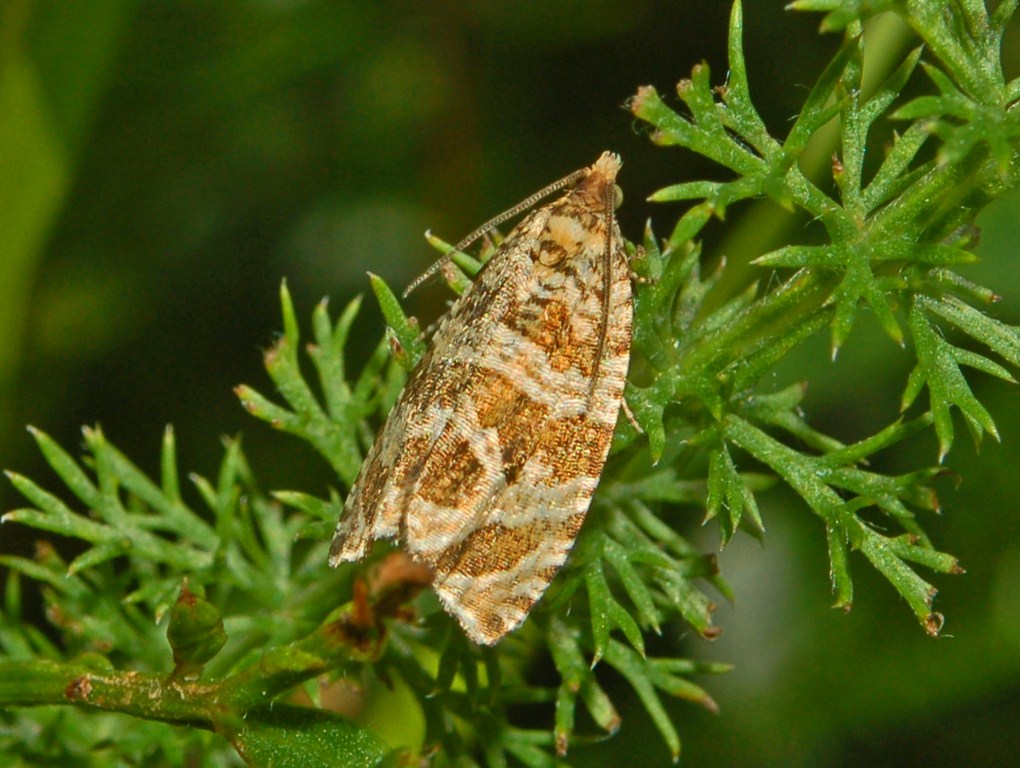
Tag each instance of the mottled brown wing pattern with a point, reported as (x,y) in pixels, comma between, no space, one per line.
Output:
(488,461)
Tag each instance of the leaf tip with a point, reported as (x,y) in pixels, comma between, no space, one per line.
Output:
(612,725)
(711,633)
(562,742)
(710,704)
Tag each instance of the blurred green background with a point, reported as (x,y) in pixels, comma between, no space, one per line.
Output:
(164,164)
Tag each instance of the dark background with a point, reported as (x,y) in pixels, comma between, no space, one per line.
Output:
(163,165)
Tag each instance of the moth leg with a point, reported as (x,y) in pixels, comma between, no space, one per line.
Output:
(639,253)
(630,416)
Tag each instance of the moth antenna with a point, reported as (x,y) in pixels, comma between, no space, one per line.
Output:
(524,205)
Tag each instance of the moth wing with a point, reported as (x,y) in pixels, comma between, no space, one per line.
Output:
(547,436)
(491,578)
(489,459)
(423,430)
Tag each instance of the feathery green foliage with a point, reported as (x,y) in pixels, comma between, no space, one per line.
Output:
(214,617)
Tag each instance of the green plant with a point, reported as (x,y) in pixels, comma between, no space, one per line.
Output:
(206,616)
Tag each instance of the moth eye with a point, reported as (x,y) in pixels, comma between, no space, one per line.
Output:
(617,197)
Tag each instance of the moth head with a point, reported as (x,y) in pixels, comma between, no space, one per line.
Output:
(608,165)
(598,184)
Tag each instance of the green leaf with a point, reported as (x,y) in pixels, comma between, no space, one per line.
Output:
(938,366)
(726,490)
(607,614)
(692,190)
(195,633)
(916,591)
(842,584)
(894,175)
(843,12)
(461,267)
(284,736)
(816,486)
(1001,338)
(328,356)
(408,345)
(631,666)
(633,584)
(737,95)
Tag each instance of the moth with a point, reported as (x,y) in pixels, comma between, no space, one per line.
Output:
(486,465)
